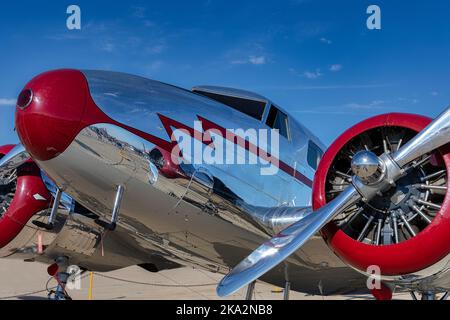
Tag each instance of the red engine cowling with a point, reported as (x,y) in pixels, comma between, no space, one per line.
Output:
(25,196)
(403,231)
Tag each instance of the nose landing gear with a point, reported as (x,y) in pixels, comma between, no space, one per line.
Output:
(59,270)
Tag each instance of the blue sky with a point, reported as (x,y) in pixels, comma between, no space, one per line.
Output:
(314,58)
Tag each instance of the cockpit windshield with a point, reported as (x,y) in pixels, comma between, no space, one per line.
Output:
(252,108)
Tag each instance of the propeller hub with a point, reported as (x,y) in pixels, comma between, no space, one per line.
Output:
(368,167)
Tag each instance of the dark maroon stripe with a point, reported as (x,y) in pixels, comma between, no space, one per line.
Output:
(207,125)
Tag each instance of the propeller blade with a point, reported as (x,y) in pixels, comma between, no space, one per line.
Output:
(434,136)
(280,247)
(277,249)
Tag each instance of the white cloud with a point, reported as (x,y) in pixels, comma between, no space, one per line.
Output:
(257,60)
(325,40)
(364,108)
(7,102)
(336,67)
(312,74)
(239,61)
(370,105)
(377,102)
(434,93)
(107,46)
(409,100)
(112,94)
(324,87)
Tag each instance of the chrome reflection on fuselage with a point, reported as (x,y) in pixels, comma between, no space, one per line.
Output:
(141,103)
(209,215)
(192,216)
(66,201)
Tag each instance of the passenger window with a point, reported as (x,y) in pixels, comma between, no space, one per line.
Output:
(278,120)
(314,155)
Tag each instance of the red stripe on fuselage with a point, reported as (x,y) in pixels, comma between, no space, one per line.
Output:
(247,145)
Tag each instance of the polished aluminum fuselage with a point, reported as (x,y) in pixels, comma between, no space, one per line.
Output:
(207,215)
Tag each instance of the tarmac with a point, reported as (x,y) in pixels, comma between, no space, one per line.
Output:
(21,280)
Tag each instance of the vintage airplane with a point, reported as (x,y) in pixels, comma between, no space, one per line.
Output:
(104,141)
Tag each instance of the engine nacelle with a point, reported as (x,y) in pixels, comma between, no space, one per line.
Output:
(402,231)
(22,195)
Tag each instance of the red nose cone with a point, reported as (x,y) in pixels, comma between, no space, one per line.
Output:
(49,112)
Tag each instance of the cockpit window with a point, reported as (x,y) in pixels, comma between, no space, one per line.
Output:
(315,154)
(252,108)
(278,120)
